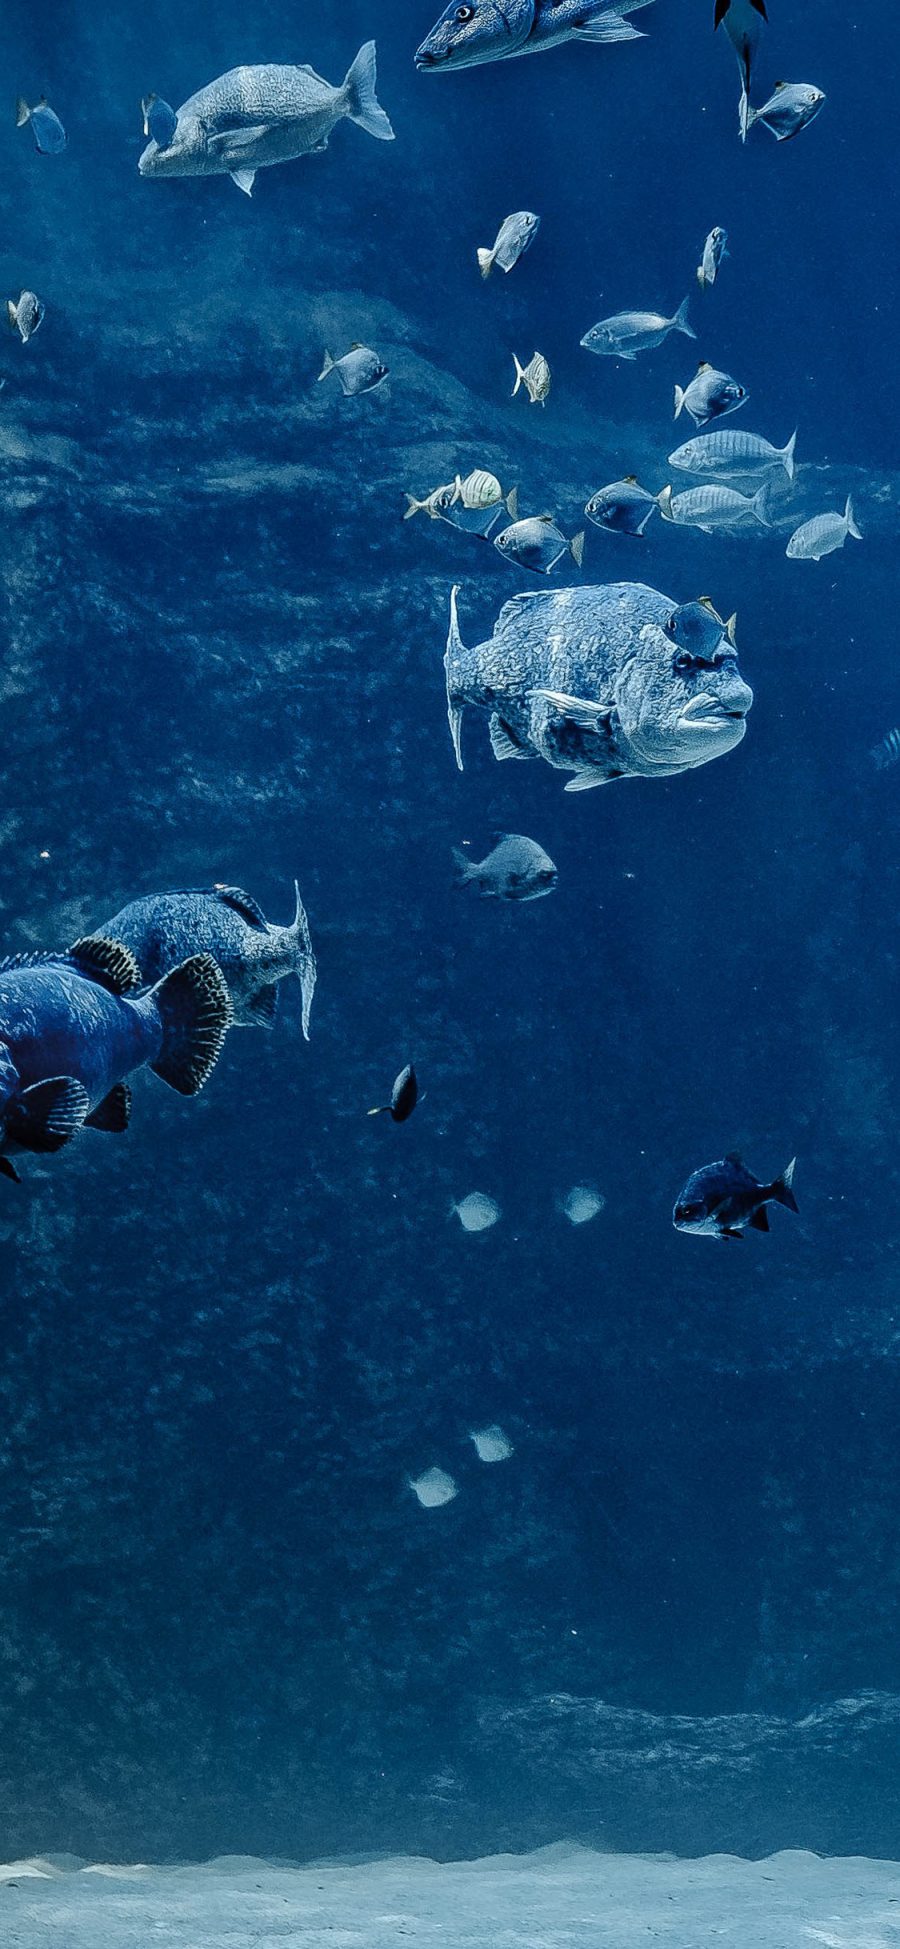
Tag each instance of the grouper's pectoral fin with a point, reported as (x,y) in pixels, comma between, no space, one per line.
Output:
(231,145)
(44,1117)
(580,711)
(245,179)
(585,781)
(503,744)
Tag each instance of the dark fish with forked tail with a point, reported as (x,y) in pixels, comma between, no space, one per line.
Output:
(719,1200)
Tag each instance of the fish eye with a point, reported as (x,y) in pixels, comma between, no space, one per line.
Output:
(465,13)
(684,661)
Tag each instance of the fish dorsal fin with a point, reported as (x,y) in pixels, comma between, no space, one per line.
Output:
(731,630)
(551,518)
(243,904)
(114,1111)
(704,366)
(36,958)
(357,345)
(734,1157)
(722,7)
(109,963)
(780,84)
(759,1221)
(512,610)
(631,480)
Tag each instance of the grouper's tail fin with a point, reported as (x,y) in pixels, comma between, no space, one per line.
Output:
(363,105)
(195,1011)
(306,960)
(455,695)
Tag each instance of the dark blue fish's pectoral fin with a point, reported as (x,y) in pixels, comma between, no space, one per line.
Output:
(109,963)
(113,1113)
(263,1006)
(45,1116)
(759,1220)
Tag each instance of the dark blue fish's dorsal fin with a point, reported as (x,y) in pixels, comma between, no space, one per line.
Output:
(734,1157)
(109,963)
(243,903)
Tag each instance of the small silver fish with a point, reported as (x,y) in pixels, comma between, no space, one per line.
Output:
(792,107)
(24,315)
(713,253)
(709,395)
(887,752)
(732,453)
(160,120)
(822,535)
(624,507)
(491,1444)
(517,869)
(538,544)
(476,1212)
(714,507)
(535,377)
(434,1488)
(359,371)
(49,135)
(630,332)
(514,236)
(434,504)
(482,490)
(582,1204)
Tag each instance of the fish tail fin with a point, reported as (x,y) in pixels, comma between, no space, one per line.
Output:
(453,654)
(850,519)
(760,505)
(520,374)
(328,365)
(745,112)
(485,262)
(363,105)
(576,548)
(305,961)
(11,317)
(195,1012)
(783,1188)
(412,505)
(679,400)
(680,320)
(787,455)
(664,503)
(23,112)
(462,867)
(512,504)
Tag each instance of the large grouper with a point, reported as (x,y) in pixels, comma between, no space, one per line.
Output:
(610,682)
(74,1026)
(253,117)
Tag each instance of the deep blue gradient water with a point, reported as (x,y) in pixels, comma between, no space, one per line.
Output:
(231,1336)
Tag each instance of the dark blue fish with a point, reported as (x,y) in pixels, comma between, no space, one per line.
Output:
(404,1097)
(49,135)
(163,929)
(72,1028)
(720,1200)
(159,120)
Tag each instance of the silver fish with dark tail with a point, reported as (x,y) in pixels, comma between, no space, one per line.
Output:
(254,956)
(610,682)
(492,30)
(253,117)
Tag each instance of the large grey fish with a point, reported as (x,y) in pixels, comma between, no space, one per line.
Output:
(491,30)
(791,108)
(822,535)
(631,332)
(253,117)
(709,395)
(730,453)
(610,682)
(517,868)
(714,506)
(162,929)
(513,238)
(72,1028)
(624,507)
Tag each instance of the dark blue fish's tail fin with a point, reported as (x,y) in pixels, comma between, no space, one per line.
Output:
(195,1012)
(363,105)
(306,960)
(782,1189)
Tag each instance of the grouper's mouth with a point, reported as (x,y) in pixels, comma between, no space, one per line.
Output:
(705,713)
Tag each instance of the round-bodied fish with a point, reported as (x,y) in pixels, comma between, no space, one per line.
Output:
(733,454)
(160,120)
(49,135)
(722,1198)
(611,682)
(581,1204)
(709,395)
(476,1212)
(792,107)
(162,929)
(623,508)
(714,252)
(714,506)
(822,535)
(491,1444)
(630,332)
(538,544)
(434,1488)
(73,1027)
(24,314)
(253,117)
(535,377)
(493,30)
(516,869)
(359,371)
(515,235)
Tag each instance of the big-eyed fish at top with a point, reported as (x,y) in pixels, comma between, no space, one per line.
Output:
(492,30)
(253,117)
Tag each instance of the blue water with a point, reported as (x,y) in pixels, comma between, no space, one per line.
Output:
(231,1336)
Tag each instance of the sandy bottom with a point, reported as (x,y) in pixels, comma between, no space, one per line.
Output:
(562,1897)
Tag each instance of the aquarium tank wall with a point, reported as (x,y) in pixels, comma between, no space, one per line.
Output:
(411,1483)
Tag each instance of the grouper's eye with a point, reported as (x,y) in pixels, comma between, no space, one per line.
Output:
(684,662)
(465,13)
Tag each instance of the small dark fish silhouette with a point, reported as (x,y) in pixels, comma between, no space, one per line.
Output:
(160,120)
(719,1200)
(404,1097)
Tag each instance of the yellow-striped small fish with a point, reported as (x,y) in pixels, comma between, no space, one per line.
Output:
(535,377)
(483,490)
